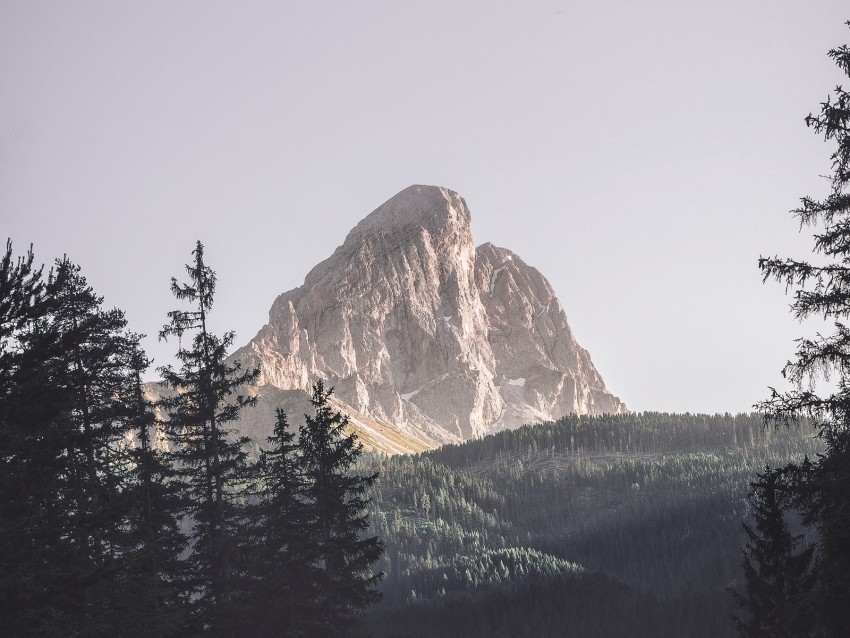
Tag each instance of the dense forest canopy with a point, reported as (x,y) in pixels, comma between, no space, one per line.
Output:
(584,526)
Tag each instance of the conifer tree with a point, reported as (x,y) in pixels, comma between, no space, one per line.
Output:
(29,452)
(822,289)
(281,600)
(778,577)
(338,518)
(91,365)
(22,299)
(61,471)
(212,465)
(153,579)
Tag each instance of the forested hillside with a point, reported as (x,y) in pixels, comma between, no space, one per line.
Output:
(616,523)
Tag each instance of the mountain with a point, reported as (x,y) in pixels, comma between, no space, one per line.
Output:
(426,339)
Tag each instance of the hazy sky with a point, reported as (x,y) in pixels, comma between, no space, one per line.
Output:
(642,155)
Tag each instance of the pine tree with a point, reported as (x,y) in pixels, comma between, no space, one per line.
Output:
(22,299)
(28,454)
(62,499)
(153,579)
(90,366)
(338,518)
(212,465)
(823,290)
(778,578)
(284,555)
(825,495)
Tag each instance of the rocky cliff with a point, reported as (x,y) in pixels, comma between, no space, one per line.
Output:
(425,338)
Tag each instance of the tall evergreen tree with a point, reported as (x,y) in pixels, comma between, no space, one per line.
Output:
(153,579)
(212,465)
(90,367)
(822,289)
(283,595)
(22,299)
(62,480)
(338,519)
(778,577)
(30,455)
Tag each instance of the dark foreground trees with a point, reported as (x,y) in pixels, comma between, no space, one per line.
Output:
(280,597)
(337,516)
(156,584)
(777,572)
(93,506)
(211,464)
(295,561)
(821,488)
(65,528)
(313,558)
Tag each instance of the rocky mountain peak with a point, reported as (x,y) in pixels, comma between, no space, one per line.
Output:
(421,333)
(430,207)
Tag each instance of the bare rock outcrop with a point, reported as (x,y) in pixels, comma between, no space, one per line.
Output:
(421,333)
(541,371)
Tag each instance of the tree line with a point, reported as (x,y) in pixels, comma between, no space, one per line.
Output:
(116,523)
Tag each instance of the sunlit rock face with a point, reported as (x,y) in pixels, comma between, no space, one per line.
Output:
(419,331)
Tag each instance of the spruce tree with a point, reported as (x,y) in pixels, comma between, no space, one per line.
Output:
(822,289)
(153,579)
(30,454)
(778,577)
(63,482)
(91,364)
(281,600)
(22,299)
(337,518)
(211,464)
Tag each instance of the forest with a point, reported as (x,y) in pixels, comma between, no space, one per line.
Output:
(118,522)
(586,526)
(121,517)
(124,517)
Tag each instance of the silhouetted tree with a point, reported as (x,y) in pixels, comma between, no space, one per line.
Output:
(778,577)
(92,364)
(153,586)
(822,289)
(337,518)
(30,455)
(65,359)
(282,598)
(22,299)
(211,465)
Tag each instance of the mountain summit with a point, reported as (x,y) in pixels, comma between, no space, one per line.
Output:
(425,338)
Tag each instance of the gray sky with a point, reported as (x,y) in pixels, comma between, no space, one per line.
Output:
(640,154)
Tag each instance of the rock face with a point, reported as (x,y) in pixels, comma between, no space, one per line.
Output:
(420,332)
(541,372)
